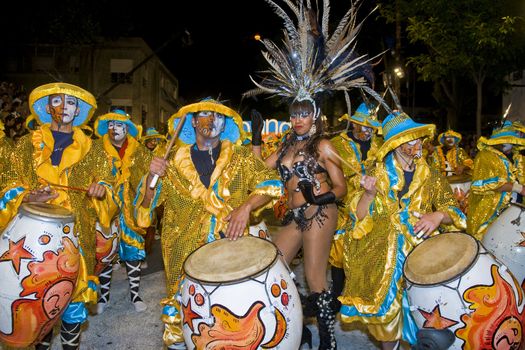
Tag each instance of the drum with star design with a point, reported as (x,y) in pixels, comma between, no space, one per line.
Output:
(39,265)
(453,282)
(505,238)
(239,294)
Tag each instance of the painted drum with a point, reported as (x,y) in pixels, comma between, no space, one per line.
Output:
(260,230)
(454,282)
(505,238)
(107,244)
(39,264)
(239,295)
(460,185)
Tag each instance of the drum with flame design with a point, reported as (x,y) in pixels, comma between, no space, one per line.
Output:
(505,238)
(107,244)
(39,265)
(260,230)
(239,294)
(454,282)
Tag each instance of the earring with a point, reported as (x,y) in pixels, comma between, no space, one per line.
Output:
(313,130)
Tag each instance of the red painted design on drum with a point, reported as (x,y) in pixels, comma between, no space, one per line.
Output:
(46,291)
(522,243)
(44,239)
(192,289)
(230,331)
(434,319)
(285,299)
(66,229)
(199,299)
(276,290)
(495,322)
(189,315)
(284,285)
(16,253)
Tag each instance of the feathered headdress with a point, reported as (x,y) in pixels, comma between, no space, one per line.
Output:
(312,60)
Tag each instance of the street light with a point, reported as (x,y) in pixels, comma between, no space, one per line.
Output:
(257,37)
(400,73)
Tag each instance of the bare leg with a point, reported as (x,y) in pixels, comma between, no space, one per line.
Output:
(289,241)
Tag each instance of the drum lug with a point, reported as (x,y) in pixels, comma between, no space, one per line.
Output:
(413,308)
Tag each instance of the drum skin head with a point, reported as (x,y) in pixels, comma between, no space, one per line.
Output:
(46,210)
(440,258)
(225,261)
(458,179)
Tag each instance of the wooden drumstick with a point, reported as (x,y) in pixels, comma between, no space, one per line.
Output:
(153,182)
(356,170)
(71,188)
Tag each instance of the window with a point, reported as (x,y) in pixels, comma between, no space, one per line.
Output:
(123,104)
(119,69)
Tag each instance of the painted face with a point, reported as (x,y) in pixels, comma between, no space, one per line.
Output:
(302,121)
(450,141)
(57,298)
(117,130)
(63,108)
(151,144)
(209,124)
(412,149)
(506,148)
(508,335)
(361,132)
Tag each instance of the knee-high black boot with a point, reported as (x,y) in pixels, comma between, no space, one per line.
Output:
(105,285)
(326,320)
(70,335)
(45,343)
(133,270)
(338,282)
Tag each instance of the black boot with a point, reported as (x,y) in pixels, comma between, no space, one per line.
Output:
(306,337)
(326,303)
(45,343)
(310,308)
(338,282)
(70,336)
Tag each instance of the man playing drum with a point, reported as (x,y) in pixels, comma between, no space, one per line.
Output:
(209,187)
(402,202)
(358,147)
(59,164)
(494,181)
(119,138)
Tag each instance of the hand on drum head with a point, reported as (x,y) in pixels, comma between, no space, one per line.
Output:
(96,190)
(42,195)
(427,223)
(237,221)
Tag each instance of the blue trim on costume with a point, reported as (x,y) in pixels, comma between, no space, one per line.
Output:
(458,212)
(155,196)
(404,215)
(352,311)
(357,153)
(211,232)
(392,174)
(479,183)
(339,232)
(215,189)
(410,328)
(10,195)
(128,252)
(75,313)
(170,311)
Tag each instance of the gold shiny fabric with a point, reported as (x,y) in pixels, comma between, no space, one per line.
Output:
(455,156)
(6,167)
(350,151)
(194,214)
(83,162)
(492,169)
(374,247)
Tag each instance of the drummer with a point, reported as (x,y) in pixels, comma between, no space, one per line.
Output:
(59,153)
(449,157)
(494,181)
(402,202)
(358,147)
(212,184)
(119,138)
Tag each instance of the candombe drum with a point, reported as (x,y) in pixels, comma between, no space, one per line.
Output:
(460,185)
(39,263)
(505,238)
(260,230)
(107,244)
(239,295)
(453,282)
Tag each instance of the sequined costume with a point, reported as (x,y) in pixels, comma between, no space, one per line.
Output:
(82,163)
(193,213)
(492,169)
(6,147)
(376,247)
(453,157)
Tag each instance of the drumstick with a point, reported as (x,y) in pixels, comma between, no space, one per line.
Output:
(356,170)
(153,182)
(69,188)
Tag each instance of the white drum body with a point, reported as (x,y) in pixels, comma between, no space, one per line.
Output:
(262,310)
(505,238)
(483,305)
(260,230)
(107,244)
(39,264)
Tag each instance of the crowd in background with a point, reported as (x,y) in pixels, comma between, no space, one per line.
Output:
(14,109)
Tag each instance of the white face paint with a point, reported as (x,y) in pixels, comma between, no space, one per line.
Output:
(450,141)
(507,147)
(117,130)
(63,108)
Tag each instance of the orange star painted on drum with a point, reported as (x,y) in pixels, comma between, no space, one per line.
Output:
(16,253)
(189,315)
(435,320)
(522,243)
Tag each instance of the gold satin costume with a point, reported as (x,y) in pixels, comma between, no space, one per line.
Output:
(454,157)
